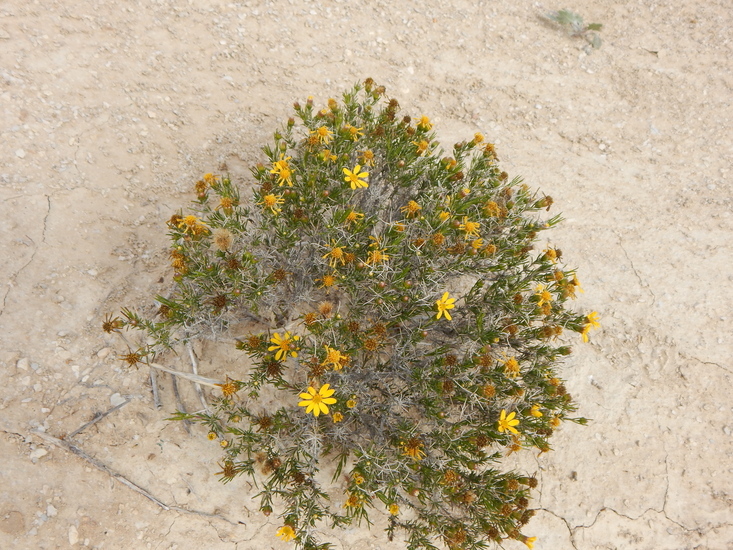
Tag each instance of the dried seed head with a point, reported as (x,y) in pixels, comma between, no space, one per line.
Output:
(223,238)
(325,308)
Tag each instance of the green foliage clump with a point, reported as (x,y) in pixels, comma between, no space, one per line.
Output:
(575,26)
(405,325)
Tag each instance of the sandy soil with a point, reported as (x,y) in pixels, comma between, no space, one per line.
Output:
(110,112)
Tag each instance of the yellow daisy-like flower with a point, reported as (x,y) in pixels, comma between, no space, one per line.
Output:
(354,133)
(591,323)
(323,134)
(443,215)
(317,402)
(551,254)
(286,533)
(335,255)
(272,201)
(422,146)
(351,403)
(328,280)
(353,217)
(283,171)
(327,156)
(394,509)
(544,295)
(478,138)
(424,123)
(535,411)
(471,228)
(477,243)
(511,367)
(356,178)
(411,209)
(413,449)
(367,157)
(284,345)
(337,417)
(192,224)
(229,388)
(507,423)
(529,541)
(377,257)
(333,358)
(444,304)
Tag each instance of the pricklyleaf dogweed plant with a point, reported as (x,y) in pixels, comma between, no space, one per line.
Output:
(408,325)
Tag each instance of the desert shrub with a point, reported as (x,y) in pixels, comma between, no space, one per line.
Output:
(406,326)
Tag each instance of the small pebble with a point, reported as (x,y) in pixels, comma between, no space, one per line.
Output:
(20,153)
(116,399)
(73,535)
(38,453)
(23,363)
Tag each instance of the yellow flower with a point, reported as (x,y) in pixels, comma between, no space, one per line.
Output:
(424,123)
(529,541)
(551,254)
(328,280)
(283,170)
(356,178)
(286,533)
(591,323)
(422,146)
(351,403)
(284,345)
(478,138)
(353,217)
(413,449)
(508,422)
(354,133)
(229,388)
(337,417)
(327,156)
(271,201)
(317,401)
(443,216)
(353,501)
(193,225)
(477,243)
(333,358)
(394,509)
(544,295)
(411,209)
(367,157)
(444,304)
(471,228)
(323,134)
(212,436)
(335,255)
(535,411)
(377,256)
(511,367)
(358,479)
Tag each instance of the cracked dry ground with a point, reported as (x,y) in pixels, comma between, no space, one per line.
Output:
(110,111)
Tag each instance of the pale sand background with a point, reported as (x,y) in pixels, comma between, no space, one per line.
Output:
(110,112)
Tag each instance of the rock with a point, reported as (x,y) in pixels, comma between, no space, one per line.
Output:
(40,452)
(20,153)
(116,399)
(23,363)
(73,535)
